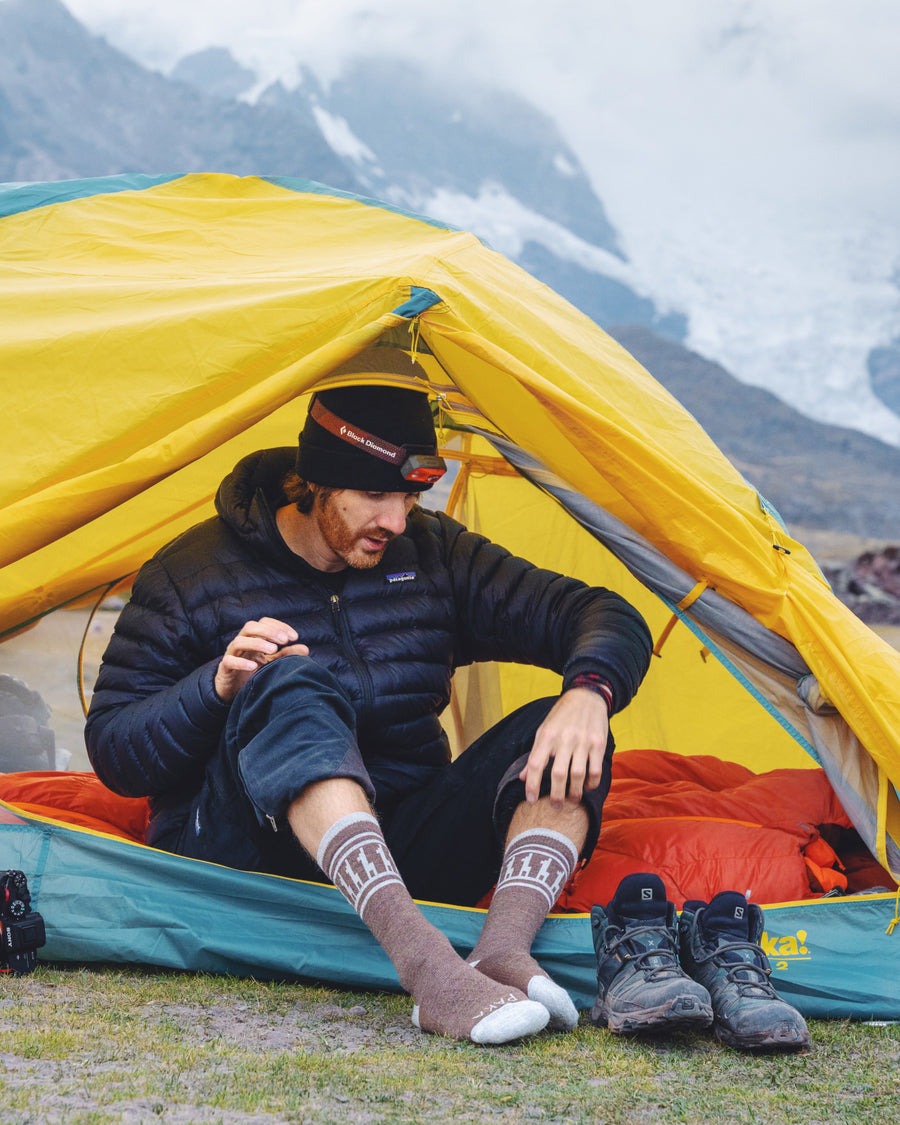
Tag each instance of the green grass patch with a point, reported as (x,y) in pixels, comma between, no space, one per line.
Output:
(106,1044)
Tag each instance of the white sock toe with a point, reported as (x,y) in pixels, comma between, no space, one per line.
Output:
(563,1013)
(512,1021)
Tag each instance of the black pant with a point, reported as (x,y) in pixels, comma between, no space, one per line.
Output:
(292,725)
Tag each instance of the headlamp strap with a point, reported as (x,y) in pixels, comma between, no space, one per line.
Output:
(357,436)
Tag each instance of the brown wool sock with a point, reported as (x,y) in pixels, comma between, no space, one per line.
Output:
(536,866)
(451,997)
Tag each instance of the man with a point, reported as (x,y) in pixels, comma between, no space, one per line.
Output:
(274,687)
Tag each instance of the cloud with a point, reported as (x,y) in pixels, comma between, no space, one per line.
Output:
(747,150)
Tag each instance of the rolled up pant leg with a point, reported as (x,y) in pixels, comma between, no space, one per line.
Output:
(289,726)
(292,725)
(448,839)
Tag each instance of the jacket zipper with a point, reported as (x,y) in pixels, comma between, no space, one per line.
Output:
(362,672)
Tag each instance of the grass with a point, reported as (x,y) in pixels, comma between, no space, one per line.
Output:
(101,1045)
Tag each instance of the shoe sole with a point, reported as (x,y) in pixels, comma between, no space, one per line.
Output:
(684,1012)
(764,1041)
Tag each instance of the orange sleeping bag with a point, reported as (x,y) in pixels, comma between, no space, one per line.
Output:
(702,824)
(76,798)
(705,825)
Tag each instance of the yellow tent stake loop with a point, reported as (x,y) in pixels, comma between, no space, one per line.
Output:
(664,635)
(414,329)
(896,920)
(442,412)
(686,602)
(84,636)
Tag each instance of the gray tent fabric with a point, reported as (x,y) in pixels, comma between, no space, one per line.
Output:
(654,570)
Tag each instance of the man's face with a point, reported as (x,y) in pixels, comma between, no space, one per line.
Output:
(357,526)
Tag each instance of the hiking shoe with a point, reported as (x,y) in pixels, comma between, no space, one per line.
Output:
(718,946)
(640,986)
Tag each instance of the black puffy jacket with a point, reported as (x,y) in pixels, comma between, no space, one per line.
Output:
(441,597)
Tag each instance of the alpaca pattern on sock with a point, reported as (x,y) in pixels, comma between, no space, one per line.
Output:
(452,998)
(359,866)
(537,865)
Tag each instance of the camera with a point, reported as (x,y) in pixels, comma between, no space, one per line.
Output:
(21,928)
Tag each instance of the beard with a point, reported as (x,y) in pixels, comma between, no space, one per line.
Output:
(348,542)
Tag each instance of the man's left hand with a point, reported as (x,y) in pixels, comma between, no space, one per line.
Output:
(574,735)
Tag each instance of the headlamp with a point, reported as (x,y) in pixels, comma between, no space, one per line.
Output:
(423,468)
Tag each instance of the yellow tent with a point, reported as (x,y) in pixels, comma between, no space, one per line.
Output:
(157,329)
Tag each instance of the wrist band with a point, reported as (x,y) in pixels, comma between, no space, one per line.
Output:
(593,682)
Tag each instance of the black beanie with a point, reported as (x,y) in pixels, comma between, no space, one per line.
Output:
(398,416)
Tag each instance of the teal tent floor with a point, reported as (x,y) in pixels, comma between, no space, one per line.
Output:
(108,900)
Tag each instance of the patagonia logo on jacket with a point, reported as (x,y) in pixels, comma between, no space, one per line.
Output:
(401,576)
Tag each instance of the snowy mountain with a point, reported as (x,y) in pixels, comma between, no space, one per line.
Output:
(491,161)
(488,162)
(478,158)
(73,106)
(884,371)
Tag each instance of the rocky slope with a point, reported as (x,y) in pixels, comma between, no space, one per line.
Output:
(72,106)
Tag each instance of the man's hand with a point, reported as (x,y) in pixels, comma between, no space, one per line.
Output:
(574,735)
(257,643)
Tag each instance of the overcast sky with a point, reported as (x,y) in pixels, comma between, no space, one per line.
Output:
(731,83)
(723,136)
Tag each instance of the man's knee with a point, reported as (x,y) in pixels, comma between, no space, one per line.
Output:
(295,699)
(289,678)
(290,726)
(510,800)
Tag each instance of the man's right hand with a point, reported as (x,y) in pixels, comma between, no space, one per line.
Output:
(257,643)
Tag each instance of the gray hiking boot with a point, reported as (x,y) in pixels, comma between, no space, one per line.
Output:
(640,986)
(718,946)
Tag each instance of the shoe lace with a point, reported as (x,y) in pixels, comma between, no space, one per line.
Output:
(636,948)
(750,976)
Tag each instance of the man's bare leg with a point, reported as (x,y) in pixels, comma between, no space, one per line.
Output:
(542,849)
(334,823)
